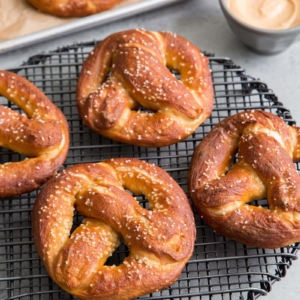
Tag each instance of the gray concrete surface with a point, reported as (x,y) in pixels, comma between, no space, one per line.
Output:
(202,22)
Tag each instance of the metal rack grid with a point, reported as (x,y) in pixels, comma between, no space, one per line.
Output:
(220,268)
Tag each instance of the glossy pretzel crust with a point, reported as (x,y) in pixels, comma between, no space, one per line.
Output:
(128,71)
(160,239)
(73,8)
(222,192)
(42,136)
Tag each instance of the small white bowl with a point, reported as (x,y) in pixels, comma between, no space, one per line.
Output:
(263,41)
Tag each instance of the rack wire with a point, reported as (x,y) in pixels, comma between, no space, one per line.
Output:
(219,268)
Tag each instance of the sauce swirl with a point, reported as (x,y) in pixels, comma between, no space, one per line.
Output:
(267,14)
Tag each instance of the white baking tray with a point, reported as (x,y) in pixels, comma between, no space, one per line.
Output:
(84,23)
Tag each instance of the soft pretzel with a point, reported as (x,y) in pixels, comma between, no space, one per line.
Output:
(160,239)
(73,8)
(128,71)
(42,136)
(222,192)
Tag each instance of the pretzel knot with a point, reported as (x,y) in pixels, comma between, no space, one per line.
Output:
(222,192)
(43,136)
(160,239)
(127,93)
(73,8)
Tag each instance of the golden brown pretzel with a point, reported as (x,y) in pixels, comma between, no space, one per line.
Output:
(222,193)
(73,8)
(128,70)
(161,239)
(43,136)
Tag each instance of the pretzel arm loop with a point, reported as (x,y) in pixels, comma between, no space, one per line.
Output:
(214,158)
(278,175)
(29,137)
(25,95)
(159,89)
(245,187)
(95,70)
(93,240)
(184,57)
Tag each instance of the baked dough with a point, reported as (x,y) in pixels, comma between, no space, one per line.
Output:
(73,8)
(160,239)
(127,93)
(42,136)
(222,191)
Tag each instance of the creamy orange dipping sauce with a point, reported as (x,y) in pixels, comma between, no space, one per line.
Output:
(267,14)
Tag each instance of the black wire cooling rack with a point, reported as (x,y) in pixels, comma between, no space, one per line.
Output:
(220,268)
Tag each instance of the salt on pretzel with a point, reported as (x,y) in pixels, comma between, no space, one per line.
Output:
(73,8)
(160,240)
(222,192)
(42,136)
(128,71)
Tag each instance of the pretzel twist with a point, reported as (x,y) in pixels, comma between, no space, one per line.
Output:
(160,240)
(127,71)
(42,136)
(222,193)
(73,8)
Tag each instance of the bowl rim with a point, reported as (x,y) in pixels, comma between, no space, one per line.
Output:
(257,29)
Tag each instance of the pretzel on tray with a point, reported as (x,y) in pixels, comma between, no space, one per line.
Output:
(73,8)
(160,239)
(128,71)
(43,136)
(222,192)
